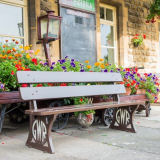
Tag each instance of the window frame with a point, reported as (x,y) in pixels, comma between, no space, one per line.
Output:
(111,23)
(23,5)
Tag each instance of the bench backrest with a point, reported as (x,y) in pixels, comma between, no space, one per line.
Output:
(39,93)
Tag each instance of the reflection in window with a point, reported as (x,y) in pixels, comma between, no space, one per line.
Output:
(102,13)
(107,54)
(12,20)
(107,35)
(109,14)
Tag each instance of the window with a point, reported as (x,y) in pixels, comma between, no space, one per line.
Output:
(108,33)
(13,14)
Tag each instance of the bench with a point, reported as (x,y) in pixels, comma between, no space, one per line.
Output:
(42,119)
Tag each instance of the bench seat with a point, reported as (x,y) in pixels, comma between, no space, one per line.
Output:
(77,108)
(81,84)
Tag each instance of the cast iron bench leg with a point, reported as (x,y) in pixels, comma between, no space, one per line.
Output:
(123,119)
(40,133)
(2,115)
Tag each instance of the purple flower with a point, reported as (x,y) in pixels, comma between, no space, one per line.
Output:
(62,61)
(138,83)
(149,74)
(111,71)
(118,69)
(51,67)
(53,63)
(155,98)
(149,90)
(2,86)
(105,70)
(73,64)
(157,90)
(66,57)
(45,64)
(72,60)
(82,70)
(125,76)
(63,67)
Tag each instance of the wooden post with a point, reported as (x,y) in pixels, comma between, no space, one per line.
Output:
(47,54)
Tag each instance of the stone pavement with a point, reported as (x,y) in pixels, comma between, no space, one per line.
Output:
(95,143)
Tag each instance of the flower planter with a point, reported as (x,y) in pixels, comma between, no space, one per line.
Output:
(85,120)
(141,91)
(10,97)
(128,91)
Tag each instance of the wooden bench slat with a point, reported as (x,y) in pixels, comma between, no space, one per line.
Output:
(53,77)
(73,108)
(133,97)
(37,93)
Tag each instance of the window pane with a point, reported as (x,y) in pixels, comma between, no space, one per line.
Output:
(107,35)
(107,54)
(102,13)
(3,39)
(12,18)
(53,28)
(109,14)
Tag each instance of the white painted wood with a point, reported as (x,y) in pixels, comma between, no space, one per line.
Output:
(35,93)
(53,77)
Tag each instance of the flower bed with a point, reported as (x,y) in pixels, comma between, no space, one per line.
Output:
(14,57)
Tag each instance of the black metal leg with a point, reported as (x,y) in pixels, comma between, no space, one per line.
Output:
(40,133)
(2,115)
(123,119)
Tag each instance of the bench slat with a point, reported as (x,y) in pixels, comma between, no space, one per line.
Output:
(53,77)
(73,108)
(37,93)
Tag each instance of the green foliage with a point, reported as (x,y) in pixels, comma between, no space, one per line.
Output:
(154,11)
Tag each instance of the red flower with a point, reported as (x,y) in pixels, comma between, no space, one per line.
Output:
(27,69)
(133,82)
(121,82)
(146,74)
(127,69)
(16,42)
(137,35)
(24,85)
(12,73)
(63,84)
(153,20)
(50,84)
(147,21)
(136,69)
(81,100)
(144,36)
(39,85)
(128,85)
(34,60)
(138,75)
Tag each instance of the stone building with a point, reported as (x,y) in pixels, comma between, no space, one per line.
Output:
(91,29)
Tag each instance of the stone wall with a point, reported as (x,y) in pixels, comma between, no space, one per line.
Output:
(131,17)
(147,54)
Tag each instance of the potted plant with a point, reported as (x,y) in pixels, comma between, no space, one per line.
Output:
(138,40)
(84,118)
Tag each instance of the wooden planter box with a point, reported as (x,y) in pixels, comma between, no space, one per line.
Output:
(10,97)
